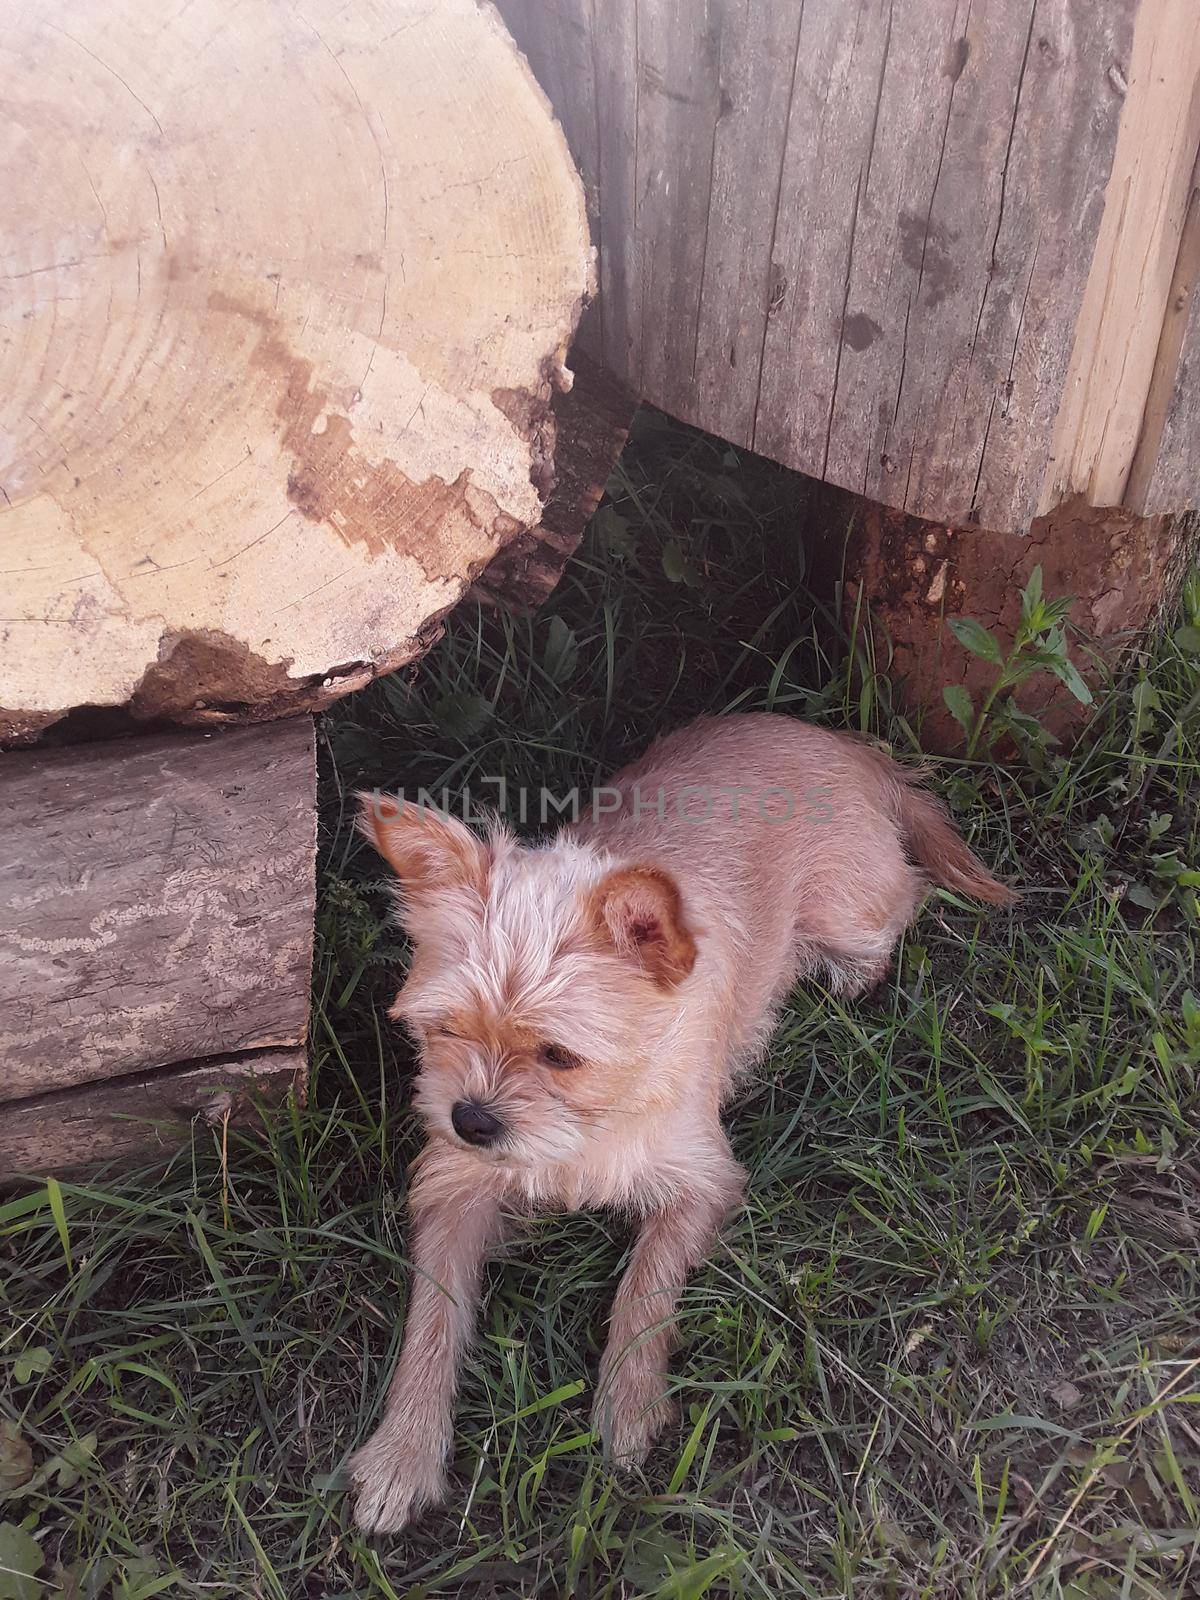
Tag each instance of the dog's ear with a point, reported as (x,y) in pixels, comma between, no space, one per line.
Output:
(425,848)
(639,910)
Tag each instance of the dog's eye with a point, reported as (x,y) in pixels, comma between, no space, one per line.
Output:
(555,1055)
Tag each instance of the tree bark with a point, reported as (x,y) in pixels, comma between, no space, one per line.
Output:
(157,898)
(905,578)
(591,421)
(143,1119)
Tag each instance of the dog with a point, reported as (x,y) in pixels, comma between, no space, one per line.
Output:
(583,1008)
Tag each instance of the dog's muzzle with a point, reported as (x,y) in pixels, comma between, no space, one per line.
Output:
(474,1124)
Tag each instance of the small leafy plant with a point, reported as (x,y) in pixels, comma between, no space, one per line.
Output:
(1039,645)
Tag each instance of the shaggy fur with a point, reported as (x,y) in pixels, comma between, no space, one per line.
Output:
(597,997)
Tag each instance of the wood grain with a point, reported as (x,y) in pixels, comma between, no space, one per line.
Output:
(852,234)
(1120,331)
(156,903)
(143,1118)
(1165,474)
(284,295)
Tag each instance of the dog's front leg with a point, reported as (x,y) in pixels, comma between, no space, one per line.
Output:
(402,1467)
(631,1402)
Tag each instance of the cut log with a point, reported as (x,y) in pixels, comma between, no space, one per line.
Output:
(920,249)
(156,912)
(286,295)
(156,903)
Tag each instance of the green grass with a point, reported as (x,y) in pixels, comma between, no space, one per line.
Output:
(946,1348)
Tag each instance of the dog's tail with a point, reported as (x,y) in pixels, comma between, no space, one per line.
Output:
(936,845)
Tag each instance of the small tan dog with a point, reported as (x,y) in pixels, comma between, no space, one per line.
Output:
(583,1008)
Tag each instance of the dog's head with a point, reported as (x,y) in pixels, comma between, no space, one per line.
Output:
(543,990)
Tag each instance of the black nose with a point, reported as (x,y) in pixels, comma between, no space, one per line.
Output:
(474,1124)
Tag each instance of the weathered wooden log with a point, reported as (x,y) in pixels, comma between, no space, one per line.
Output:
(286,294)
(923,250)
(157,898)
(144,1119)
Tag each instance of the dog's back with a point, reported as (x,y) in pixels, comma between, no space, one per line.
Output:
(800,848)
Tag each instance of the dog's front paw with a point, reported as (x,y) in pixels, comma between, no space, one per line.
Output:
(632,1409)
(394,1479)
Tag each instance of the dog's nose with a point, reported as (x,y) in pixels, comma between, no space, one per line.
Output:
(474,1124)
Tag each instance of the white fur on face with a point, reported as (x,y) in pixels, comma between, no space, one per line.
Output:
(496,974)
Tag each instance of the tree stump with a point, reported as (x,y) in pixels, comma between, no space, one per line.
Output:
(287,294)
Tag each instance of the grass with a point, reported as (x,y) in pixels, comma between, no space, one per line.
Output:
(948,1347)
